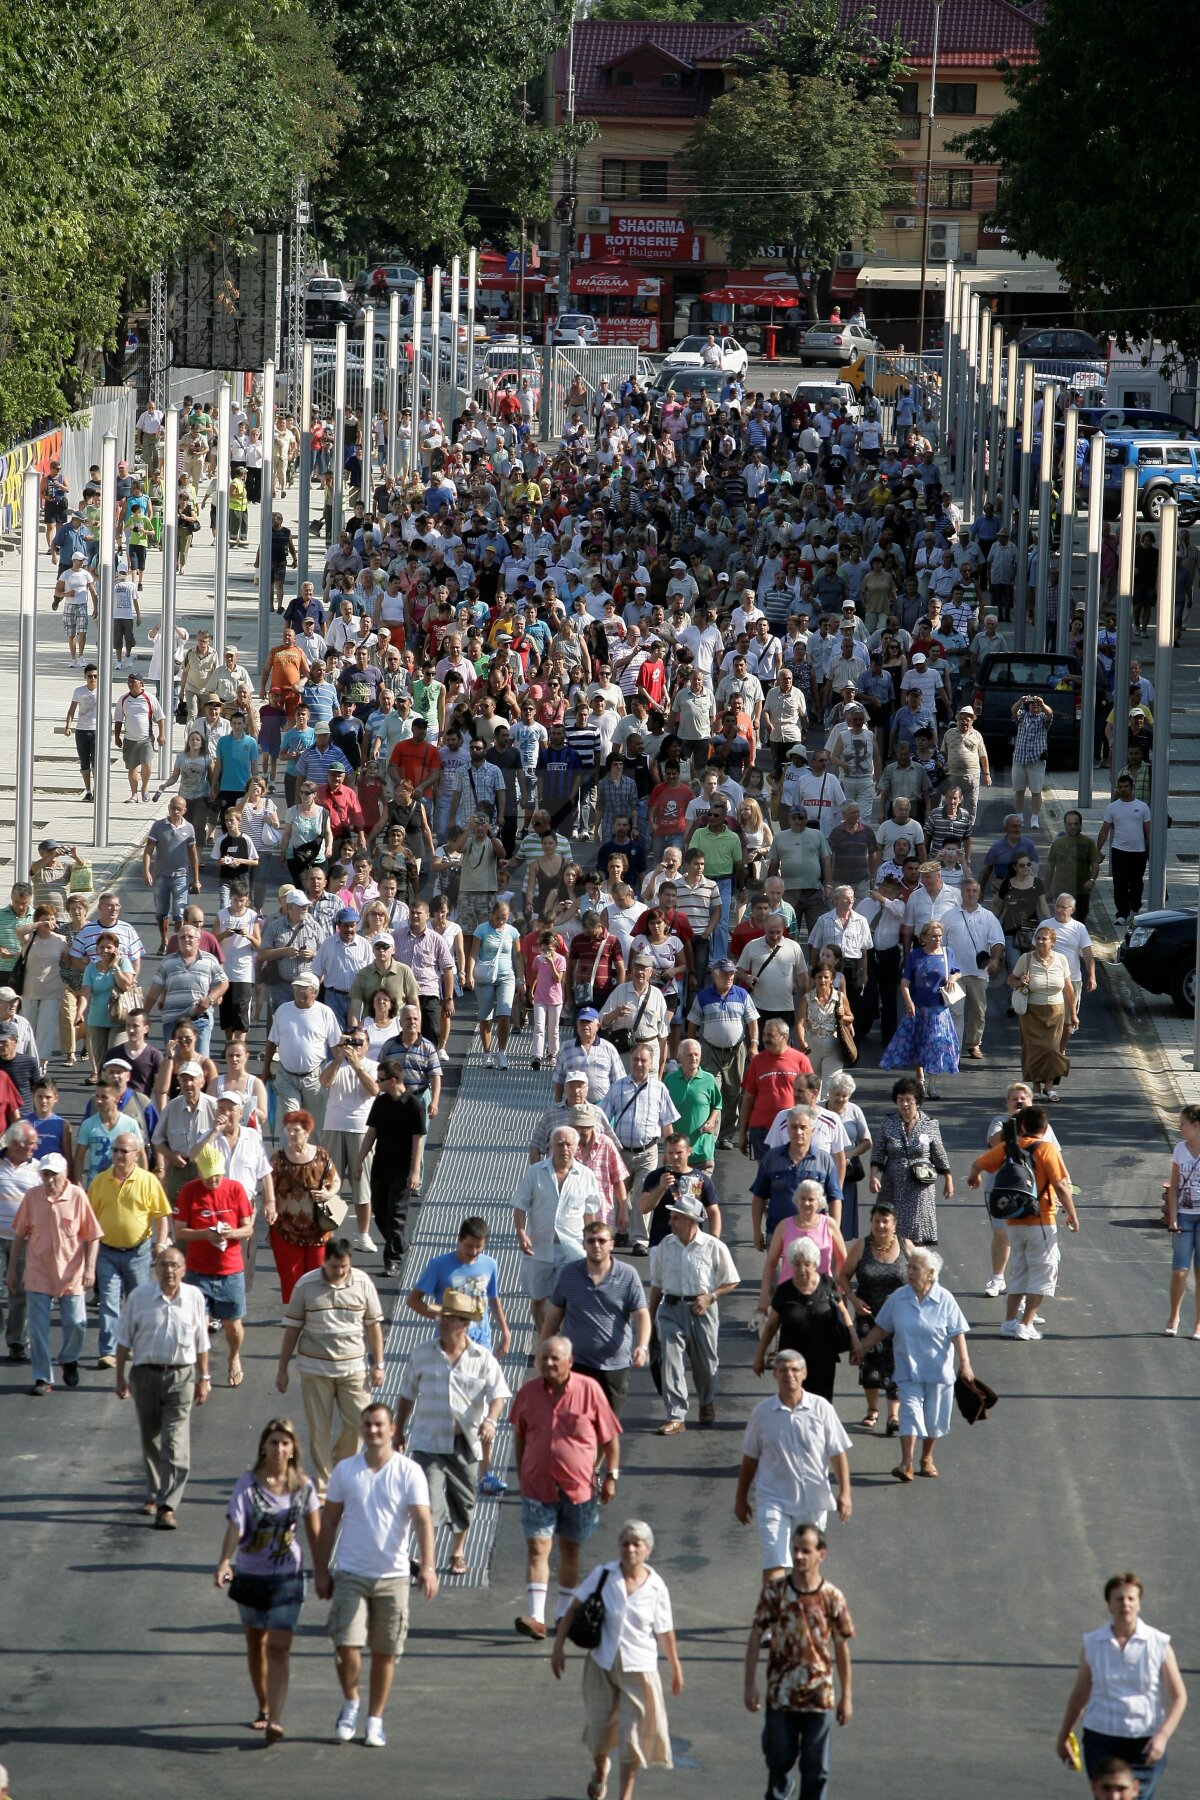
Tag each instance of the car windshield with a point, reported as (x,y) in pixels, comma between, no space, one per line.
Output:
(1033,671)
(690,344)
(697,380)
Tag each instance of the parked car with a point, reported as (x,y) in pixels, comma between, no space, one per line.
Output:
(326,287)
(1055,345)
(833,345)
(682,382)
(395,276)
(1166,465)
(1005,677)
(819,390)
(574,328)
(689,354)
(323,313)
(1159,952)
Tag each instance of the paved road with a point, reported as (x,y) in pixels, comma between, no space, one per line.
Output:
(969,1594)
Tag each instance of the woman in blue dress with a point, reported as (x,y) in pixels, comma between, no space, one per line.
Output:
(925,1038)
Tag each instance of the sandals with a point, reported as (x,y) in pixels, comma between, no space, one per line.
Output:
(871,1420)
(458,1564)
(261,1720)
(893,1428)
(236,1373)
(274,1731)
(928,1469)
(903,1472)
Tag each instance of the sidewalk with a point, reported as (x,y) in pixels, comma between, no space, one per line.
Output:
(1171,1032)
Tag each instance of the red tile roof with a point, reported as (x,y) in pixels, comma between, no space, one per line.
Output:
(971,34)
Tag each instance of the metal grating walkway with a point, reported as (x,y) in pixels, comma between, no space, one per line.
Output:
(476,1171)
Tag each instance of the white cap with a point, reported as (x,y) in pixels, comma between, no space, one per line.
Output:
(53,1164)
(192,1068)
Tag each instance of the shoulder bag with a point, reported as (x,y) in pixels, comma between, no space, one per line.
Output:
(843,1034)
(587,1627)
(623,1037)
(582,991)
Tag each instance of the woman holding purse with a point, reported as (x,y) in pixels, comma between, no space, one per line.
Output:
(622,1693)
(266,1576)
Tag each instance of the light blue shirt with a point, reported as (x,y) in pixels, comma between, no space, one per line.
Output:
(923,1332)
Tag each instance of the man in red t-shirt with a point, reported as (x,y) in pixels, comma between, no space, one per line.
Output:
(417,760)
(213,1216)
(669,802)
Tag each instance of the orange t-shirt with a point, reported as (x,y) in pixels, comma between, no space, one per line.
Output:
(1048,1167)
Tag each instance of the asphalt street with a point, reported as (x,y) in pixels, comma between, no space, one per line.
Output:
(123,1665)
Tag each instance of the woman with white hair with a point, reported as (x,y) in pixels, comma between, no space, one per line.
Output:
(927,1328)
(812,1222)
(858,1148)
(622,1693)
(807,1314)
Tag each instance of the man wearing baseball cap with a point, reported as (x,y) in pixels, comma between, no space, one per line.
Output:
(300,1040)
(214,1215)
(61,1235)
(689,1272)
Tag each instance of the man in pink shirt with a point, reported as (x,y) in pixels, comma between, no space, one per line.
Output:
(62,1236)
(562,1423)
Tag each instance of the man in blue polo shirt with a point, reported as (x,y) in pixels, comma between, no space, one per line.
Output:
(781,1171)
(235,760)
(726,1021)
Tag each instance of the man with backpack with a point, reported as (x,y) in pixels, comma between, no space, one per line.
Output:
(1031,1184)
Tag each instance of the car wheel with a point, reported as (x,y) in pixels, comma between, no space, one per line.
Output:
(1152,505)
(1183,992)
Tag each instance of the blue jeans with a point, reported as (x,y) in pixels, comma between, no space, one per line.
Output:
(1185,1245)
(118,1272)
(720,937)
(171,895)
(804,1737)
(203,1028)
(1097,1745)
(338,1002)
(72,1312)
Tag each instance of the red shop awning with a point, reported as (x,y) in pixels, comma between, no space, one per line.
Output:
(845,282)
(617,279)
(735,294)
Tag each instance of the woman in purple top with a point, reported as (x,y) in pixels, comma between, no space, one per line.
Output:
(266,1510)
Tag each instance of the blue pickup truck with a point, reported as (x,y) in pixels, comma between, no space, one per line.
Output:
(1166,465)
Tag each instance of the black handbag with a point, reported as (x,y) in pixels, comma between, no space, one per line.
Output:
(587,1627)
(254,1591)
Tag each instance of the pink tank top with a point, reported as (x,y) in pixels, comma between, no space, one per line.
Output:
(819,1233)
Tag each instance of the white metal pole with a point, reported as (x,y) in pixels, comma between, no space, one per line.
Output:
(1045,517)
(1091,628)
(1010,432)
(27,675)
(981,409)
(1066,540)
(339,432)
(995,453)
(1025,483)
(266,514)
(435,340)
(104,695)
(950,360)
(1160,786)
(455,282)
(221,582)
(393,383)
(414,422)
(366,429)
(1128,538)
(472,271)
(305,470)
(166,624)
(961,427)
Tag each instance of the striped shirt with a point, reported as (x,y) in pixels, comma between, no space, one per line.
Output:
(332,1318)
(451,1397)
(696,903)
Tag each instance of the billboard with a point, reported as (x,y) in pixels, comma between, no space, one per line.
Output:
(640,237)
(225,304)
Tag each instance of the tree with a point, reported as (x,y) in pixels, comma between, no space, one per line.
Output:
(810,37)
(441,118)
(676,12)
(796,161)
(1094,155)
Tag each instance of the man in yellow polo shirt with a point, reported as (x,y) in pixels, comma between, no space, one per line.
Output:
(722,849)
(132,1207)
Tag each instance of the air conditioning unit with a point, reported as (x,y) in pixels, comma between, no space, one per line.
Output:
(595,215)
(943,240)
(904,222)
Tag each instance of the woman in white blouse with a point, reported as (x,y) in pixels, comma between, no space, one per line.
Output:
(622,1693)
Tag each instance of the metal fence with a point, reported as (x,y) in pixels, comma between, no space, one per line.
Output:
(590,364)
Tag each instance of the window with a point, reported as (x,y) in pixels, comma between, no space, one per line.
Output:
(950,189)
(621,180)
(652,180)
(1179,459)
(1150,454)
(906,97)
(955,97)
(624,77)
(670,78)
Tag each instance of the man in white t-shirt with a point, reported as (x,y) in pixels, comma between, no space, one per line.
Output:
(1127,823)
(374,1498)
(136,715)
(1073,939)
(351,1082)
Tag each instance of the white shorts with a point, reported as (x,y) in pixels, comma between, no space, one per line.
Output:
(1029,775)
(537,1278)
(775,1527)
(1033,1260)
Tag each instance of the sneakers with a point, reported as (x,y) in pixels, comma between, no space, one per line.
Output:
(1033,821)
(71,1374)
(362,1240)
(489,1061)
(535,1062)
(347,1719)
(444,1058)
(1013,1328)
(1119,921)
(502,1060)
(375,1737)
(492,1484)
(994,1286)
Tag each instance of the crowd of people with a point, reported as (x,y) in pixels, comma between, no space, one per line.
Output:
(653,753)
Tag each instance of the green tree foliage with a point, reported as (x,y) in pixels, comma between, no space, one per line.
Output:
(128,136)
(1096,154)
(809,37)
(677,12)
(797,161)
(442,124)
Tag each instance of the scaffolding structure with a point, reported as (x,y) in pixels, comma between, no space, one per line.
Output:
(157,349)
(298,280)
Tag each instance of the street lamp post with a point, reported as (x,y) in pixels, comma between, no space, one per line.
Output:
(1160,787)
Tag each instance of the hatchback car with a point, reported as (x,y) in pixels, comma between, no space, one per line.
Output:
(574,328)
(1159,952)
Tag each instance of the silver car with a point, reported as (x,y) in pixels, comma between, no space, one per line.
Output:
(830,346)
